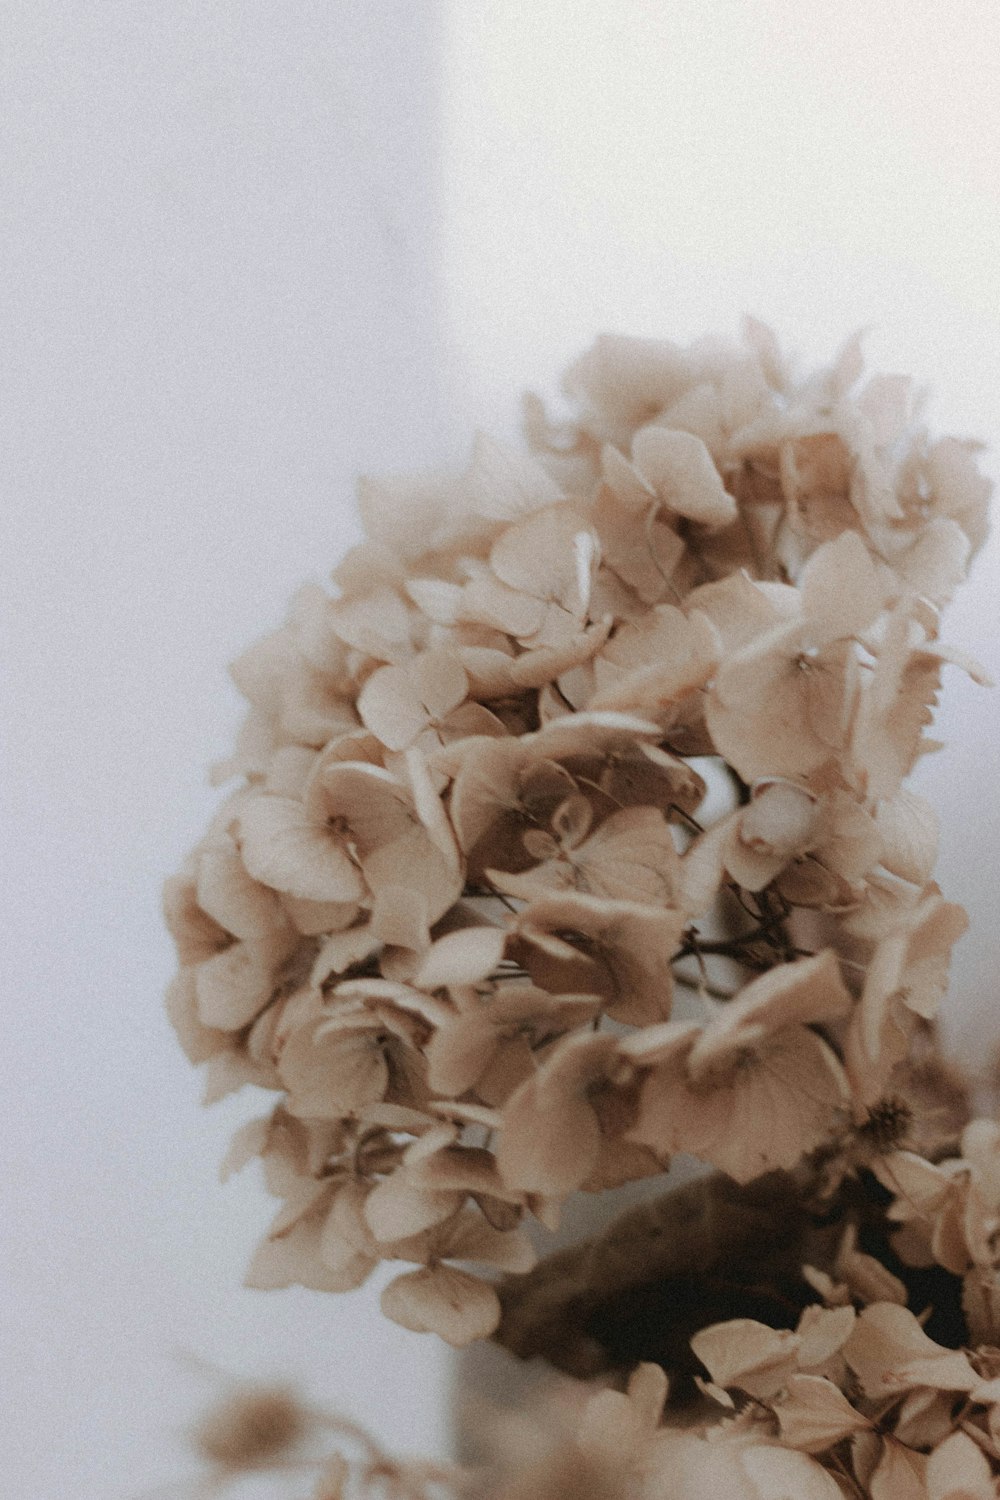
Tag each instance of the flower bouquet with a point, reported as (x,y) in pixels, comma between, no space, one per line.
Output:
(569,836)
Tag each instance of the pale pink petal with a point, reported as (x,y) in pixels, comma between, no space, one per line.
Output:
(958,1469)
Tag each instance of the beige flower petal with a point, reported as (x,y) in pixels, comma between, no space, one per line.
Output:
(900,1473)
(958,1469)
(231,897)
(889,1352)
(283,847)
(680,469)
(746,1354)
(440,1299)
(332,1074)
(551,1135)
(463,957)
(620,949)
(200,1042)
(806,990)
(294,1259)
(503,483)
(778,708)
(472,1238)
(232,987)
(842,589)
(908,828)
(816,1415)
(399,1206)
(936,562)
(551,555)
(390,707)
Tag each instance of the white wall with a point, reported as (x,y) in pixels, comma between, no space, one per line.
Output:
(218,300)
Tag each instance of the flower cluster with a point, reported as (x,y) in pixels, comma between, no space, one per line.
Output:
(571,833)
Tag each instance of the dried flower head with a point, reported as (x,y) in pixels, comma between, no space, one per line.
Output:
(571,832)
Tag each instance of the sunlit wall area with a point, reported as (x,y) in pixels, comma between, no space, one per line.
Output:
(660,168)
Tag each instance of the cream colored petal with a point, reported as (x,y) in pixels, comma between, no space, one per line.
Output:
(487,784)
(245,1144)
(199,1041)
(746,1354)
(548,1144)
(440,681)
(544,663)
(681,667)
(780,819)
(232,987)
(551,1135)
(472,1238)
(390,708)
(781,1471)
(334,1074)
(488,601)
(936,562)
(284,848)
(822,1332)
(816,1415)
(229,895)
(438,600)
(680,469)
(703,867)
(440,1299)
(908,828)
(551,555)
(787,1103)
(400,917)
(758,712)
(463,957)
(434,820)
(373,805)
(888,1342)
(842,589)
(398,1207)
(341,951)
(376,623)
(630,857)
(504,483)
(958,1469)
(803,991)
(741,609)
(458,1053)
(900,1473)
(294,1259)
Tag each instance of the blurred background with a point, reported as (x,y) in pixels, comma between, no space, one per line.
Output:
(250,249)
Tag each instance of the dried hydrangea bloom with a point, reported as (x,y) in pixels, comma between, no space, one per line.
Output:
(570,832)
